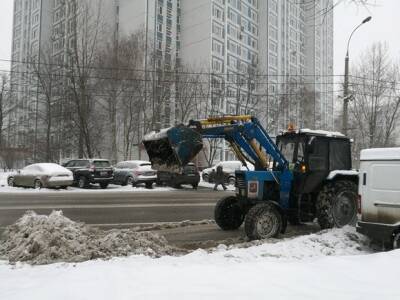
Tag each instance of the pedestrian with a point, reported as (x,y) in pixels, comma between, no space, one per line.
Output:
(219,178)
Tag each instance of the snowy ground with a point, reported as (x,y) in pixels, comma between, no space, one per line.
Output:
(331,264)
(211,185)
(334,264)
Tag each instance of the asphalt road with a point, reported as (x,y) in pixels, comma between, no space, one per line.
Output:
(113,208)
(110,209)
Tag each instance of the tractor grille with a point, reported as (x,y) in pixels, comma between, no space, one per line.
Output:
(240,181)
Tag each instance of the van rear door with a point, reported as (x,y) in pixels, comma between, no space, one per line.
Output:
(380,191)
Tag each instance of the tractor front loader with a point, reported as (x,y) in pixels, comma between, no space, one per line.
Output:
(302,176)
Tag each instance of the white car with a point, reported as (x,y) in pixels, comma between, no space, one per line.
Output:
(42,175)
(134,172)
(229,167)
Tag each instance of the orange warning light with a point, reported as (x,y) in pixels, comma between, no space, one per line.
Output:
(291,127)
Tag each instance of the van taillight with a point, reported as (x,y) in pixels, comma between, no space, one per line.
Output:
(359,204)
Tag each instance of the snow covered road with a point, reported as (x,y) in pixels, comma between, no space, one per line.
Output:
(330,265)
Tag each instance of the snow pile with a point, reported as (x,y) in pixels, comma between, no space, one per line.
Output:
(41,239)
(333,242)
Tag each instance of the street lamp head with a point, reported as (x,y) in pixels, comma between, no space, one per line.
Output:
(367,19)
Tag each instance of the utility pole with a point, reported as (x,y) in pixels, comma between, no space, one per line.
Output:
(156,107)
(346,96)
(145,75)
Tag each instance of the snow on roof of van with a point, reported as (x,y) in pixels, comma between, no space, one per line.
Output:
(321,132)
(380,154)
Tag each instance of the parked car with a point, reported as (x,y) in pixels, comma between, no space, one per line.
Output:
(135,172)
(379,195)
(229,168)
(190,175)
(41,175)
(91,171)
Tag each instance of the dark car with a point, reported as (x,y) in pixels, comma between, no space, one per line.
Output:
(135,172)
(91,171)
(190,175)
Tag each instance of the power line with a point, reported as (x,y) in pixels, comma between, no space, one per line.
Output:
(209,96)
(230,83)
(172,71)
(184,81)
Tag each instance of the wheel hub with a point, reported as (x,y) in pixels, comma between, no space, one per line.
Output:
(344,208)
(266,224)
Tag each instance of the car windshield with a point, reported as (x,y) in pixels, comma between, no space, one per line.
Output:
(101,163)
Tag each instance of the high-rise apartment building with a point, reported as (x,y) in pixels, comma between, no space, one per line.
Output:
(222,37)
(319,61)
(31,30)
(296,54)
(271,58)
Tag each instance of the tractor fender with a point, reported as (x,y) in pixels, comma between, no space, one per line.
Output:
(351,175)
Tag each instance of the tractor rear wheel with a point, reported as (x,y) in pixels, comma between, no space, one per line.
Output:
(336,204)
(263,221)
(227,213)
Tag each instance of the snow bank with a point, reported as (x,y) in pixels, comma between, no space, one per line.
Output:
(333,242)
(299,268)
(41,239)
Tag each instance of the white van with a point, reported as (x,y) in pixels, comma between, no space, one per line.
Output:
(379,195)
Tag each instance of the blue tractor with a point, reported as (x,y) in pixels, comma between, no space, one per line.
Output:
(302,176)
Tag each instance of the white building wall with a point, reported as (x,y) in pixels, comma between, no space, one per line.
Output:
(290,47)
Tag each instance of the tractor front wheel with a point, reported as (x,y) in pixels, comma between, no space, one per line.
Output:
(227,214)
(336,204)
(263,221)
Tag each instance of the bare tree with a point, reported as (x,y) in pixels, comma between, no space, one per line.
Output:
(188,93)
(88,30)
(134,105)
(375,106)
(45,73)
(4,108)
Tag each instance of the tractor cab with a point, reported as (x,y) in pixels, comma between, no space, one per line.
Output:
(312,155)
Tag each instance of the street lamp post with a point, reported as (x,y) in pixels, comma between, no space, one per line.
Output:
(346,96)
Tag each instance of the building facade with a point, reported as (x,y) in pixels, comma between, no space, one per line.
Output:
(31,30)
(270,58)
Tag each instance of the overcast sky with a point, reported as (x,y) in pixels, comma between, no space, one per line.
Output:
(383,27)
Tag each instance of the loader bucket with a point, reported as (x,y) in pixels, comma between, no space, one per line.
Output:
(172,148)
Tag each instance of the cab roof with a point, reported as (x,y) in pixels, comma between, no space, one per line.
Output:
(311,132)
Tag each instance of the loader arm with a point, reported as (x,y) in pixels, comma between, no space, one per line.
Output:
(174,147)
(246,136)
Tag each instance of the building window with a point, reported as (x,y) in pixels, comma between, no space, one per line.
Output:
(34,33)
(217,30)
(217,65)
(217,13)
